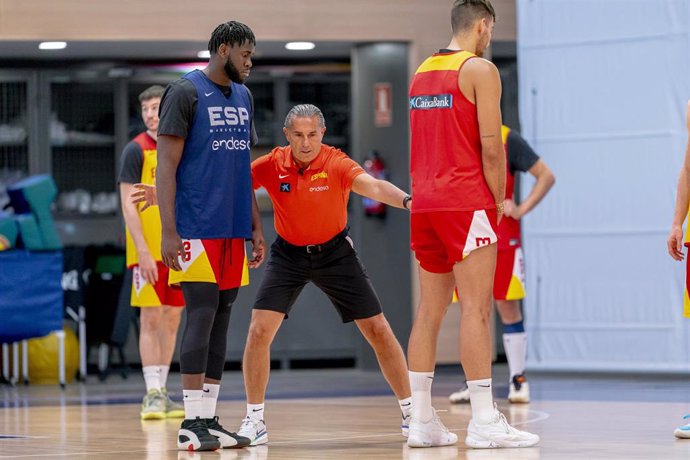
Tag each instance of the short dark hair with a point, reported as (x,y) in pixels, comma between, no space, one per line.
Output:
(230,33)
(151,92)
(466,12)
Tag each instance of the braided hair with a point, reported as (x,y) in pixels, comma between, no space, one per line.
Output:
(230,33)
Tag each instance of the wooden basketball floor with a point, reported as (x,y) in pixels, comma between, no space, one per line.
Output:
(613,418)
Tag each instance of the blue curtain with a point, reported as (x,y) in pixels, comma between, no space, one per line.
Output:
(603,89)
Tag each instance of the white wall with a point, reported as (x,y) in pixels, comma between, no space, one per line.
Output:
(603,86)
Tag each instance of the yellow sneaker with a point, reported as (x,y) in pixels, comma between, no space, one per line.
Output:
(153,406)
(172,409)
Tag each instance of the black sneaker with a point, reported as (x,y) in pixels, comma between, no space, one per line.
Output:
(194,435)
(227,439)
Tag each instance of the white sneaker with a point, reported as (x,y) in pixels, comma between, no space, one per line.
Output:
(406,425)
(430,434)
(519,390)
(254,430)
(461,396)
(683,432)
(498,433)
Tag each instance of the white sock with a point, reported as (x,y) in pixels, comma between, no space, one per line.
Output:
(515,345)
(405,406)
(152,377)
(255,411)
(193,404)
(420,382)
(164,376)
(482,401)
(209,400)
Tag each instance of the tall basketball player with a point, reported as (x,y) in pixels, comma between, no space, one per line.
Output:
(208,209)
(458,169)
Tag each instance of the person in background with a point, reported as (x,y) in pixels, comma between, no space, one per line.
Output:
(509,280)
(675,241)
(160,305)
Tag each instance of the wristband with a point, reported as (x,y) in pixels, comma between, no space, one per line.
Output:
(406,200)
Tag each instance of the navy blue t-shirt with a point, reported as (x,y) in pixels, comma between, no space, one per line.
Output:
(213,198)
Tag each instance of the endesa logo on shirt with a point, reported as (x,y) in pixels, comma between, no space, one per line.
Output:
(230,144)
(433,101)
(220,118)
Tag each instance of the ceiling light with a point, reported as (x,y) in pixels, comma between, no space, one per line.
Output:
(52,45)
(205,54)
(299,46)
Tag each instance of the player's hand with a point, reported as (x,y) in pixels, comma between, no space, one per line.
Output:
(510,209)
(258,248)
(171,249)
(146,194)
(675,243)
(148,267)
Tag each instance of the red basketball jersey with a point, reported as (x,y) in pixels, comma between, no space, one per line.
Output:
(446,155)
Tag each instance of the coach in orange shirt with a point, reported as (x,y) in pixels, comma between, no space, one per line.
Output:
(309,184)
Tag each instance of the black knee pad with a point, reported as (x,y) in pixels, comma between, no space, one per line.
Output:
(218,341)
(201,301)
(226,299)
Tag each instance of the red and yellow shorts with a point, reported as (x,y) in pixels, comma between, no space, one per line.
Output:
(148,295)
(509,280)
(221,261)
(442,239)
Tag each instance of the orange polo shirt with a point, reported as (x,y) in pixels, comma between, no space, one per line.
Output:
(310,207)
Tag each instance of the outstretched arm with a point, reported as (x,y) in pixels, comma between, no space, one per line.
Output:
(380,190)
(144,193)
(675,237)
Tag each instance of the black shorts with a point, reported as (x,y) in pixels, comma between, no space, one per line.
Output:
(333,267)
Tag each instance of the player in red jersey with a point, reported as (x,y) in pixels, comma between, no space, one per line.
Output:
(458,184)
